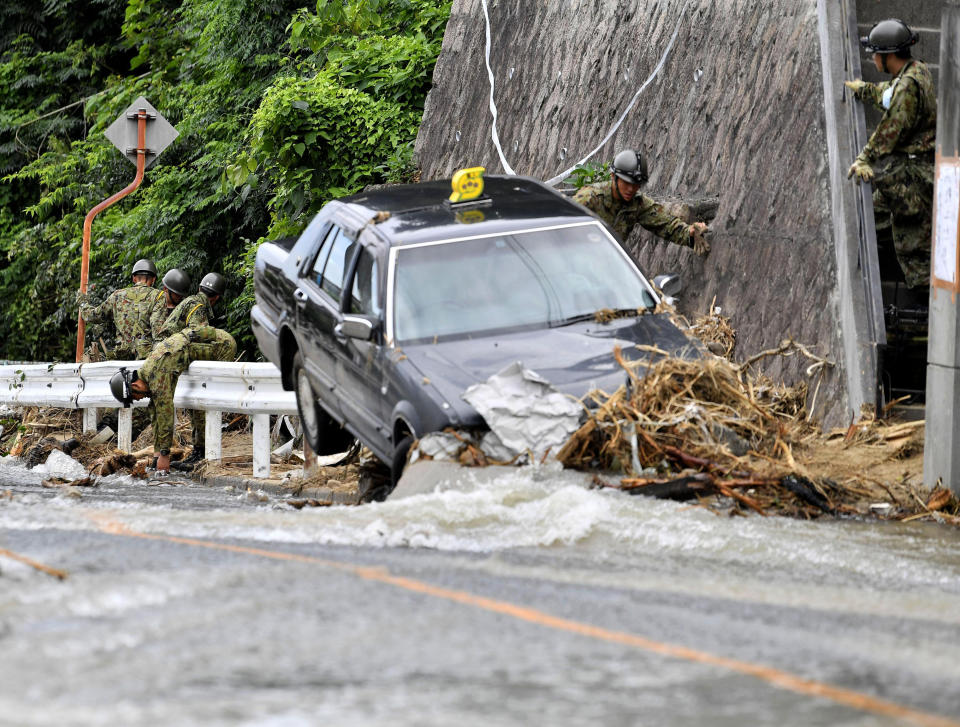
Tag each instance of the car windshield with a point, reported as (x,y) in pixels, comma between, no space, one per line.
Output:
(521,280)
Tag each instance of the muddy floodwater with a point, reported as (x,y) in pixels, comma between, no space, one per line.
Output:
(159,630)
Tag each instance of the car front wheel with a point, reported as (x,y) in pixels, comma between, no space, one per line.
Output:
(307,406)
(322,433)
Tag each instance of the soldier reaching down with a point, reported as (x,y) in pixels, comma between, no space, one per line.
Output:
(158,376)
(621,205)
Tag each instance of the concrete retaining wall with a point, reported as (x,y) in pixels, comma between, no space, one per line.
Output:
(737,112)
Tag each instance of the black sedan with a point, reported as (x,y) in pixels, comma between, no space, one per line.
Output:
(393,302)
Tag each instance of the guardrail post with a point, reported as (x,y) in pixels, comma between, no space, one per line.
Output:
(261,445)
(89,419)
(213,428)
(125,427)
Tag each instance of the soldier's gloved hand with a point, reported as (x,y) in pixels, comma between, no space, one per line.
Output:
(698,233)
(82,298)
(856,87)
(861,170)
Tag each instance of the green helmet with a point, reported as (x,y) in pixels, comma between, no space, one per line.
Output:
(889,36)
(630,166)
(177,281)
(213,284)
(120,386)
(144,266)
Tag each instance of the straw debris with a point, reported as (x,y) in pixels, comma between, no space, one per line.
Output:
(712,430)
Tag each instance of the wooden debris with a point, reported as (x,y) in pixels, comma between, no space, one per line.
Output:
(680,419)
(299,504)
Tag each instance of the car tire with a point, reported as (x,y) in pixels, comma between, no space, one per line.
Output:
(307,407)
(399,460)
(320,431)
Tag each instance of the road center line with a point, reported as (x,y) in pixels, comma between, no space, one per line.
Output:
(773,676)
(55,572)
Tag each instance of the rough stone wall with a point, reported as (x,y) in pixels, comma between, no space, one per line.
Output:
(736,113)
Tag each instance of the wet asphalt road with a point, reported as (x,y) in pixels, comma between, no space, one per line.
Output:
(189,605)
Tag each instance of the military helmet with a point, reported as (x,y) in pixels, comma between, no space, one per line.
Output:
(630,166)
(144,266)
(889,36)
(213,284)
(120,386)
(177,281)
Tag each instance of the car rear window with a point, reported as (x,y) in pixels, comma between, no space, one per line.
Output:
(526,279)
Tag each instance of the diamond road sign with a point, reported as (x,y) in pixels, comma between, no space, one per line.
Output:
(122,133)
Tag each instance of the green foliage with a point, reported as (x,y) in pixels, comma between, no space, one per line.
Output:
(316,139)
(279,109)
(588,173)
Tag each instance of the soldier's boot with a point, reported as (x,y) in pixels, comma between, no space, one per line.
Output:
(197,455)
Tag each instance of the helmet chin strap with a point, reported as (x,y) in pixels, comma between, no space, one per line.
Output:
(883,57)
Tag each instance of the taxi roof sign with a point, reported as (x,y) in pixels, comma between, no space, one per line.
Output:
(467,184)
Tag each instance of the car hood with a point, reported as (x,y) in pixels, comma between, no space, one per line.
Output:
(575,359)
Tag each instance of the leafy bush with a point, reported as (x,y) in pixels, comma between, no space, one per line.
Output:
(588,173)
(279,109)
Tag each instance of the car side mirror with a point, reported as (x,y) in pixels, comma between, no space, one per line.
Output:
(669,283)
(360,327)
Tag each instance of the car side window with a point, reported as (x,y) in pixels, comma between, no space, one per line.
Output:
(336,266)
(365,295)
(316,272)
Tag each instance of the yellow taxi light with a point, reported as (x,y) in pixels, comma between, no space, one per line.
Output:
(467,184)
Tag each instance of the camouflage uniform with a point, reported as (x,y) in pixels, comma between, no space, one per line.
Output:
(158,315)
(641,210)
(902,149)
(163,367)
(129,309)
(194,311)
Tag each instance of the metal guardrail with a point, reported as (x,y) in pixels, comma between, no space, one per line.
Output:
(868,258)
(211,386)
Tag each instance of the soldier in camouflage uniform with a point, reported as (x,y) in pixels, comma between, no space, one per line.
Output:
(901,148)
(196,310)
(158,376)
(129,311)
(621,205)
(176,284)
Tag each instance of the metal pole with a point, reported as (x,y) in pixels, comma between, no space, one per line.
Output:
(88,220)
(941,455)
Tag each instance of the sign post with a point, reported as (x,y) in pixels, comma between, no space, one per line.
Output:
(941,455)
(129,134)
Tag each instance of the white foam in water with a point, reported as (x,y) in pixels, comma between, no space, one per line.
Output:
(63,465)
(524,508)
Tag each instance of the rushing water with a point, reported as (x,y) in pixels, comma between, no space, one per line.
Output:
(523,526)
(529,509)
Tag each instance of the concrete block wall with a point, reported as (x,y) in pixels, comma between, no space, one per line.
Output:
(736,113)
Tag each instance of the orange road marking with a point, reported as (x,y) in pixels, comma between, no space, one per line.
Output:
(55,572)
(776,677)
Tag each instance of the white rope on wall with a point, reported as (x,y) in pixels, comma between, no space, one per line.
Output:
(493,107)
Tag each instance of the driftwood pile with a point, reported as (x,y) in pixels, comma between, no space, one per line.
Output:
(697,429)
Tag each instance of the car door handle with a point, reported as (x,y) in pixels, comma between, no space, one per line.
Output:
(301,297)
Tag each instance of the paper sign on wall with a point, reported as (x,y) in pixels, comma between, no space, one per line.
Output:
(948,214)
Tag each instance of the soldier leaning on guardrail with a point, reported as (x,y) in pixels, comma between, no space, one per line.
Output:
(902,146)
(129,310)
(176,285)
(195,311)
(158,376)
